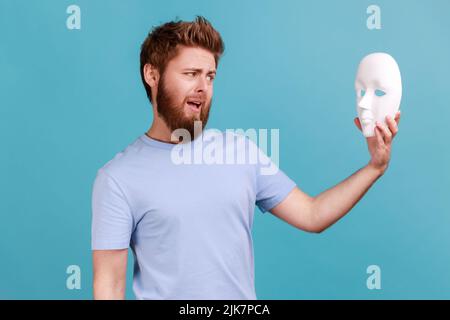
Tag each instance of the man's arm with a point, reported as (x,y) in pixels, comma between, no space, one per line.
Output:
(315,214)
(110,268)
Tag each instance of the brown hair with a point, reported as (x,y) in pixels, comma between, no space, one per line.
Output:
(162,43)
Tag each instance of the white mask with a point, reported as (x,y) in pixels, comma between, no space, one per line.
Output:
(378,87)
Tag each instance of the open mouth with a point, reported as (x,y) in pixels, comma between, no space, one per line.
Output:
(195,105)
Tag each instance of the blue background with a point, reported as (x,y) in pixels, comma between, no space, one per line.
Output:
(71,99)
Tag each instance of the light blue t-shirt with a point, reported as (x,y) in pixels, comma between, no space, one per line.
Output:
(188,224)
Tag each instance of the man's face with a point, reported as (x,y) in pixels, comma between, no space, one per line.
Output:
(185,89)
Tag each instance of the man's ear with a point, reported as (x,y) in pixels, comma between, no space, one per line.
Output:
(151,75)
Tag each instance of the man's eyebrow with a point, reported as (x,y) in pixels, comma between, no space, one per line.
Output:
(199,70)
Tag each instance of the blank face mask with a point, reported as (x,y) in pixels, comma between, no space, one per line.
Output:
(378,87)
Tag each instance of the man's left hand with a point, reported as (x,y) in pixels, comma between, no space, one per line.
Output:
(380,145)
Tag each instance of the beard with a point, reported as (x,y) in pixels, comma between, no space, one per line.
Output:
(173,112)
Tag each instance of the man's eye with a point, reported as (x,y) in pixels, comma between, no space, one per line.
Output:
(362,92)
(190,74)
(210,78)
(379,93)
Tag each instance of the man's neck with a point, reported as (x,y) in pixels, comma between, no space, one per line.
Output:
(160,131)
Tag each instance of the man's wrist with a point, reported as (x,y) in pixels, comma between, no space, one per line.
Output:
(376,170)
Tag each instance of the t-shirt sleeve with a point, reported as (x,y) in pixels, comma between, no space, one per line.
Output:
(272,184)
(112,220)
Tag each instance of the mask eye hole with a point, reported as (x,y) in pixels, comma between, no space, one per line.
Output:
(379,93)
(362,92)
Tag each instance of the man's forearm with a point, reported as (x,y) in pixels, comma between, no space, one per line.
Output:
(332,204)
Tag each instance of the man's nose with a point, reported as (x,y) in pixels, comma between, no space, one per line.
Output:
(202,84)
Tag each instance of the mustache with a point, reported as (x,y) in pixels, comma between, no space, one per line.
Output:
(197,97)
